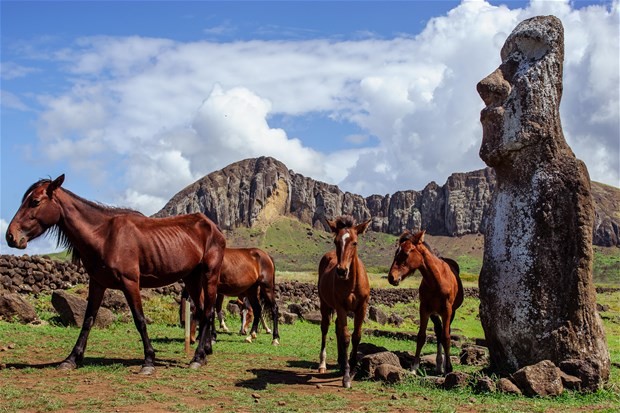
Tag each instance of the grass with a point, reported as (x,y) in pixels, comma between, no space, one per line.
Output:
(281,376)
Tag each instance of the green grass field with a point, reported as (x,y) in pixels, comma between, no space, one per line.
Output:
(284,378)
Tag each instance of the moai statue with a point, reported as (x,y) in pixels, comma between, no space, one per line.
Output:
(537,298)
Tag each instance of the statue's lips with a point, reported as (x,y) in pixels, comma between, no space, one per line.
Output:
(491,113)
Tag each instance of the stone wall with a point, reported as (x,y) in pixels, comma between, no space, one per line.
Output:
(39,274)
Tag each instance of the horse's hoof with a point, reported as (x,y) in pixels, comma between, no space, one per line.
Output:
(346,384)
(194,365)
(67,365)
(146,370)
(225,330)
(322,370)
(248,339)
(268,331)
(275,342)
(253,336)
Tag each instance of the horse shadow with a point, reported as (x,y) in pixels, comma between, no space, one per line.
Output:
(96,362)
(264,377)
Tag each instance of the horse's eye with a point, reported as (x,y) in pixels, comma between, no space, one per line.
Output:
(355,244)
(34,203)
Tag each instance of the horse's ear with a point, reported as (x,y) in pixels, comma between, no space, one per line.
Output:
(56,183)
(361,228)
(332,225)
(419,237)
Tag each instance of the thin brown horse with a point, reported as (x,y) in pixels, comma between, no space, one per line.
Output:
(125,250)
(250,273)
(441,292)
(343,287)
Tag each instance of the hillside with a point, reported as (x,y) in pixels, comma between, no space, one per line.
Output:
(247,192)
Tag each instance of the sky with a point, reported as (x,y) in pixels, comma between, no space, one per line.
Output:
(135,100)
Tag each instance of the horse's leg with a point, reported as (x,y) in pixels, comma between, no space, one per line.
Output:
(445,318)
(256,309)
(420,339)
(360,314)
(209,283)
(439,364)
(326,314)
(95,297)
(268,294)
(132,295)
(220,313)
(343,346)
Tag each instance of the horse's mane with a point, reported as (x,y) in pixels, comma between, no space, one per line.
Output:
(345,221)
(62,241)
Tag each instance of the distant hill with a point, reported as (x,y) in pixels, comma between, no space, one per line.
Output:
(255,192)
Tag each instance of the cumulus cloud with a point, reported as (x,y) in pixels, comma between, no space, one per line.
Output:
(170,112)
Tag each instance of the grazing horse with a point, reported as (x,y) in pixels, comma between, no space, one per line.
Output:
(343,287)
(441,292)
(125,250)
(250,273)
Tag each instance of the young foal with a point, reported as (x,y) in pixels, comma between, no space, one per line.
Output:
(124,250)
(441,292)
(343,287)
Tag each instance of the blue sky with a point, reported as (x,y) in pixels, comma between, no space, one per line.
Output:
(135,100)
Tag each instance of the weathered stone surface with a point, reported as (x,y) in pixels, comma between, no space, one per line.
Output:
(474,355)
(570,382)
(505,385)
(484,385)
(456,379)
(72,308)
(585,370)
(540,379)
(376,314)
(389,373)
(536,291)
(369,363)
(14,306)
(243,193)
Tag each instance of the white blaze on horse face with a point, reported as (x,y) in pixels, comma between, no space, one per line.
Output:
(344,239)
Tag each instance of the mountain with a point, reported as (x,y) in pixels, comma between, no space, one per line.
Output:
(254,191)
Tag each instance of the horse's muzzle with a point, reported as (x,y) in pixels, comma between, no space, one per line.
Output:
(342,273)
(393,281)
(19,241)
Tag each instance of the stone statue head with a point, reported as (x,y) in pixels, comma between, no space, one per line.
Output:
(522,96)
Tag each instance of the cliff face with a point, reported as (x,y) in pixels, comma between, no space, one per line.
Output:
(236,195)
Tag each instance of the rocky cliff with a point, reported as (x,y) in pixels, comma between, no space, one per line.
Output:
(244,193)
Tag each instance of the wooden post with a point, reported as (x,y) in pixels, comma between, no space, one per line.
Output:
(188,316)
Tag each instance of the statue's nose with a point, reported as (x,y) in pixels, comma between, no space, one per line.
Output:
(493,89)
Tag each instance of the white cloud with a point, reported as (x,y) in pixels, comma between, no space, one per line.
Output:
(11,101)
(171,112)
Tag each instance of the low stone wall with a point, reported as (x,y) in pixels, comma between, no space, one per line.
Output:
(35,274)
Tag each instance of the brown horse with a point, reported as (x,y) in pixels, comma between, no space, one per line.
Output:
(441,292)
(343,287)
(125,250)
(250,273)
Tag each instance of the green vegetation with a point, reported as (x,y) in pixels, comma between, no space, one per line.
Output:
(607,266)
(247,377)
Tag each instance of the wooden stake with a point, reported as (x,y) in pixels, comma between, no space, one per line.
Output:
(188,316)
